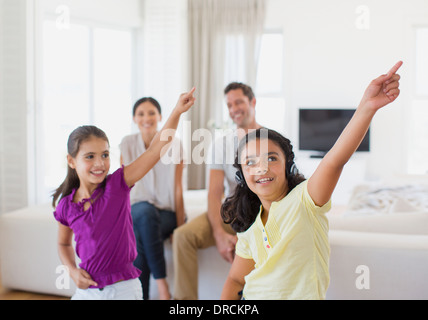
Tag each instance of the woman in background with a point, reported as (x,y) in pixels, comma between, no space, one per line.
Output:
(157,199)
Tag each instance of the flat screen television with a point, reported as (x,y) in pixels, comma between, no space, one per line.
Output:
(319,129)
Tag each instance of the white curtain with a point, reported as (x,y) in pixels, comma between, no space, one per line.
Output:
(224,39)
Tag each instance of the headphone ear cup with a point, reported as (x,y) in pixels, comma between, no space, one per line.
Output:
(293,171)
(239,178)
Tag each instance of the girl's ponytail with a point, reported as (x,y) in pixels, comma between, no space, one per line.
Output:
(70,183)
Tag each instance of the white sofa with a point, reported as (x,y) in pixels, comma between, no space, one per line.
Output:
(381,238)
(29,257)
(389,251)
(379,257)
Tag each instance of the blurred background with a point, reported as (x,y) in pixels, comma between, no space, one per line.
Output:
(66,63)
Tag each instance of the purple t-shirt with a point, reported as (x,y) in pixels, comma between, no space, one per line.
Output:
(105,240)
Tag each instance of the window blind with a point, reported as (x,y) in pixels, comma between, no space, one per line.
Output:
(13,106)
(163,44)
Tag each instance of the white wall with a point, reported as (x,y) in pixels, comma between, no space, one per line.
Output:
(330,62)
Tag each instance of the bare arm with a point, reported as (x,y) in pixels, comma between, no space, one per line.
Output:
(225,242)
(235,281)
(381,92)
(139,168)
(67,256)
(179,202)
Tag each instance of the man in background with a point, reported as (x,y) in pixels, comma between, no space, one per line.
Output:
(209,229)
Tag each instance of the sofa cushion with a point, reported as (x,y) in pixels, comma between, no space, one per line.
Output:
(375,199)
(397,205)
(195,202)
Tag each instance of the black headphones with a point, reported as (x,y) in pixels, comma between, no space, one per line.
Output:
(291,171)
(239,178)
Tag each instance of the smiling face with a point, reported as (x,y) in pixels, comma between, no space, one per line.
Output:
(264,166)
(241,109)
(147,117)
(92,162)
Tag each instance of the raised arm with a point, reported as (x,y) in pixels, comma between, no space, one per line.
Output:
(138,169)
(381,92)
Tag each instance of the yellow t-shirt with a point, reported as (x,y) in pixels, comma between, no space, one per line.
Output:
(291,252)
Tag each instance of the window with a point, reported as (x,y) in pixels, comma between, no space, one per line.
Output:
(164,68)
(270,84)
(66,97)
(418,147)
(112,86)
(422,62)
(270,75)
(87,80)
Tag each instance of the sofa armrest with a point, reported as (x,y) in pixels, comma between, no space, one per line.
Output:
(28,252)
(415,223)
(393,266)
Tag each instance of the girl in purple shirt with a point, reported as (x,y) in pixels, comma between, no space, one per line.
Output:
(95,207)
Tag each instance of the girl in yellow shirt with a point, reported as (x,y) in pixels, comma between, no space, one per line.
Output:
(282,250)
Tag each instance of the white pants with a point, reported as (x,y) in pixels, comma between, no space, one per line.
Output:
(125,290)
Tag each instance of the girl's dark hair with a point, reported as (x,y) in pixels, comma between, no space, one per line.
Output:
(146,99)
(242,207)
(76,138)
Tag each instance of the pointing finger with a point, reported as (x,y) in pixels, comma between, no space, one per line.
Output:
(395,68)
(390,76)
(191,92)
